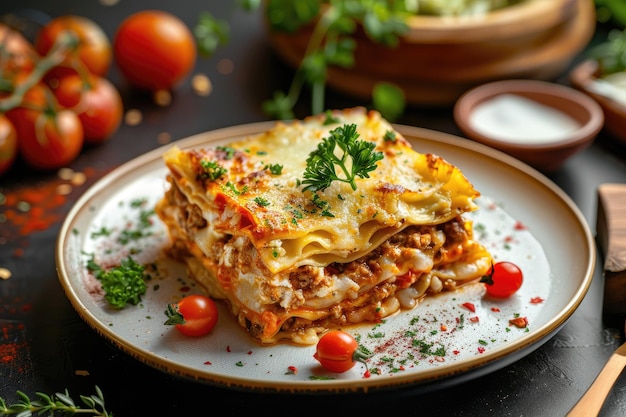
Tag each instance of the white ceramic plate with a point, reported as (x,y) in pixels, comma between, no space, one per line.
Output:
(524,218)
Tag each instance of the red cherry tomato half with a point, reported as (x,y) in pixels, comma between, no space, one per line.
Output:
(503,280)
(338,351)
(96,101)
(194,315)
(154,50)
(94,47)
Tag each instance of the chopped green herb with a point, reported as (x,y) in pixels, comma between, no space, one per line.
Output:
(390,136)
(230,152)
(261,201)
(123,284)
(211,170)
(330,119)
(275,169)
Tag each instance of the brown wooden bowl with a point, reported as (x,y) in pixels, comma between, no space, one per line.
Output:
(582,77)
(442,57)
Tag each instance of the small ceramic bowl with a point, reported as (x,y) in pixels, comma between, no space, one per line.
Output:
(586,77)
(537,122)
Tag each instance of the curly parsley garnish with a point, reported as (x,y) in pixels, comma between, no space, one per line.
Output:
(123,284)
(357,159)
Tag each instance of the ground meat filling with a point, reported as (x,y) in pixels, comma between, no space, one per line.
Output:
(435,241)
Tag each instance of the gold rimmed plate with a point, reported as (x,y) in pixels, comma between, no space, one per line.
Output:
(445,340)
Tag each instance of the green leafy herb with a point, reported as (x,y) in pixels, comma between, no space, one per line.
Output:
(331,44)
(275,169)
(230,152)
(389,100)
(60,403)
(613,11)
(357,159)
(211,170)
(261,201)
(330,119)
(210,33)
(611,54)
(123,284)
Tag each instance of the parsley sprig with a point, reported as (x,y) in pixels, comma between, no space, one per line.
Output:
(356,159)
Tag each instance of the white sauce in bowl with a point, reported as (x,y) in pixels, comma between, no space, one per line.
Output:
(517,119)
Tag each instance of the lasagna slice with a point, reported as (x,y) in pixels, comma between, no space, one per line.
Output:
(292,261)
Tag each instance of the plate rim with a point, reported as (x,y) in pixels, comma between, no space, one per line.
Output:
(430,379)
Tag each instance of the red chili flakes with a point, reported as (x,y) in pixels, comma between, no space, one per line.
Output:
(249,352)
(208,363)
(495,309)
(474,319)
(456,352)
(536,300)
(519,322)
(367,373)
(28,209)
(228,348)
(292,370)
(443,328)
(481,349)
(470,306)
(519,226)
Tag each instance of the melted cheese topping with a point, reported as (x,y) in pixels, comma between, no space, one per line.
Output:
(285,224)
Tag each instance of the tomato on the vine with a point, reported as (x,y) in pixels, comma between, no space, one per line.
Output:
(339,351)
(503,280)
(48,137)
(154,50)
(95,100)
(16,55)
(93,49)
(194,315)
(8,144)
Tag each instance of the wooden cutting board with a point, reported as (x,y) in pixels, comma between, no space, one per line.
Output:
(611,238)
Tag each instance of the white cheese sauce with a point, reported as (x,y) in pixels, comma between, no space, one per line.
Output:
(517,119)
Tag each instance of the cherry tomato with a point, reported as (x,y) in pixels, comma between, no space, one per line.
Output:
(338,351)
(94,47)
(8,144)
(154,50)
(96,101)
(16,55)
(194,315)
(503,280)
(48,138)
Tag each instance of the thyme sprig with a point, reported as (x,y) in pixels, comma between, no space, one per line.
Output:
(341,151)
(60,403)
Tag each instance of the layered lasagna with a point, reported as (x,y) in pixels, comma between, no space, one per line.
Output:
(292,260)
